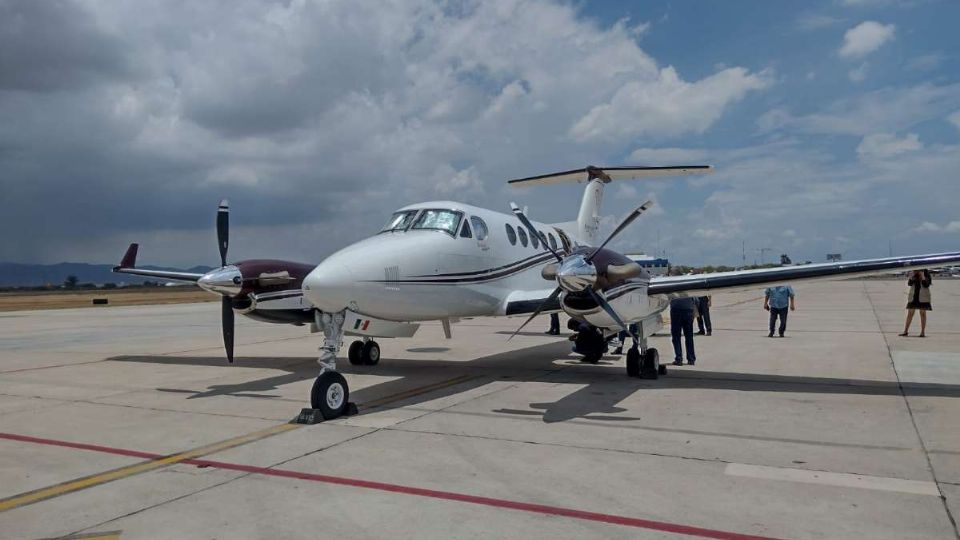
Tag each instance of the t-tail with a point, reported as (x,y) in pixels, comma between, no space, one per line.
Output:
(596,178)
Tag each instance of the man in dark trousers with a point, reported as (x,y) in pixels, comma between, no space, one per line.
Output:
(681,320)
(554,325)
(703,315)
(775,300)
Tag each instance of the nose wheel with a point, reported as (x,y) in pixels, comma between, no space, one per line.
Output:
(330,395)
(364,353)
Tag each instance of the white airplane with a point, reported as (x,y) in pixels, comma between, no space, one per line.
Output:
(443,260)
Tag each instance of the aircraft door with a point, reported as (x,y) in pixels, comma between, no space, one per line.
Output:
(480,232)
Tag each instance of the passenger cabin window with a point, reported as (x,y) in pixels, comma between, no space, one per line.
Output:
(439,220)
(480,227)
(523,236)
(400,221)
(534,241)
(511,235)
(465,231)
(553,241)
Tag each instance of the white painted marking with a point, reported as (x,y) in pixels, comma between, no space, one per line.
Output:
(880,483)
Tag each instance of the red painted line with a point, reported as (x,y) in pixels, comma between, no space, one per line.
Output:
(81,446)
(419,492)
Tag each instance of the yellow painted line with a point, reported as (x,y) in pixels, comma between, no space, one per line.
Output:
(419,390)
(57,490)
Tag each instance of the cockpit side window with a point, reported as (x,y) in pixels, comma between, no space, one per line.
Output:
(480,227)
(440,220)
(400,221)
(523,236)
(465,230)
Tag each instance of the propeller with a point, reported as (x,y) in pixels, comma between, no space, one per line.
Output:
(581,269)
(226,303)
(551,298)
(623,225)
(223,230)
(226,316)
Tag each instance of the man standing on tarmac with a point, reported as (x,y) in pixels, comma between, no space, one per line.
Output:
(681,320)
(775,300)
(703,315)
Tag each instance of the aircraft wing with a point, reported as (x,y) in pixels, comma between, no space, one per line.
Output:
(128,266)
(743,280)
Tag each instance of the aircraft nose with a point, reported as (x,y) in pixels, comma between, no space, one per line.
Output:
(328,286)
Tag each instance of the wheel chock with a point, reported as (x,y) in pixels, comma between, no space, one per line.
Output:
(314,416)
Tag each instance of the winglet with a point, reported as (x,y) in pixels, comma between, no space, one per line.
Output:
(129,258)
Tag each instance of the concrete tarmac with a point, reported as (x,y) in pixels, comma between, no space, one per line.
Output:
(127,422)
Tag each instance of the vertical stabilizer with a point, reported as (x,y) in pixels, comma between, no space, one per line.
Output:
(588,220)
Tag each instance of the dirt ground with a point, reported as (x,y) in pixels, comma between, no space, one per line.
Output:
(117,297)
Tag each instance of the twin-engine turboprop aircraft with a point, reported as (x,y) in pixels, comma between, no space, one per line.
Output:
(444,260)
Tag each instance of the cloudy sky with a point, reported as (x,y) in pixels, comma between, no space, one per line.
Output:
(834,125)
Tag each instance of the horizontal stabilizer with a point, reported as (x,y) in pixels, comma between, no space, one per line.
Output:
(607,174)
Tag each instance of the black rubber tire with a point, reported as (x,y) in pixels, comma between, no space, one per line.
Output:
(370,353)
(662,370)
(354,353)
(650,364)
(330,395)
(633,362)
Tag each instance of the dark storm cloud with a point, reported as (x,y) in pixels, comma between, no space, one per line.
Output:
(55,45)
(127,120)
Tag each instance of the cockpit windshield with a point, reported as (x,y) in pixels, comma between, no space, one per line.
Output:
(442,220)
(399,221)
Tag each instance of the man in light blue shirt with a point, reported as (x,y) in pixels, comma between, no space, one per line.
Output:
(776,300)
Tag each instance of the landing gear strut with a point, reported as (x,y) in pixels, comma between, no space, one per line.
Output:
(330,394)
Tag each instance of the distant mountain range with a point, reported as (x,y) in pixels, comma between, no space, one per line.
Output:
(33,275)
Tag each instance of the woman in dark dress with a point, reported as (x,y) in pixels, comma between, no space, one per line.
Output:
(918,299)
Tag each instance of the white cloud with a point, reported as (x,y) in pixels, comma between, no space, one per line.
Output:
(667,156)
(954,119)
(816,22)
(865,38)
(930,227)
(858,74)
(885,145)
(667,106)
(926,62)
(886,110)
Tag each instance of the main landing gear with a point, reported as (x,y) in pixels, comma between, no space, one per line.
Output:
(364,353)
(645,365)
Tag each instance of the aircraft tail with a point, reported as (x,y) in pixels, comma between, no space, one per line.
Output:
(588,219)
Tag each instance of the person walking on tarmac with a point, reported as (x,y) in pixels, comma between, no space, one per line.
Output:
(775,300)
(703,315)
(682,313)
(554,325)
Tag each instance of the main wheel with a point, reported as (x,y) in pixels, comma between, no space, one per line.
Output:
(330,394)
(370,353)
(650,364)
(355,352)
(633,362)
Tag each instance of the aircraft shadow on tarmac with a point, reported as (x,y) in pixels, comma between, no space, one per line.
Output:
(604,385)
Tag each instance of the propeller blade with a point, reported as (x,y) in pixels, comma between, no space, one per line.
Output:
(526,223)
(551,298)
(606,307)
(623,225)
(226,315)
(223,230)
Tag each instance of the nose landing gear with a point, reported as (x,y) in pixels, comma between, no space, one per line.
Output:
(330,396)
